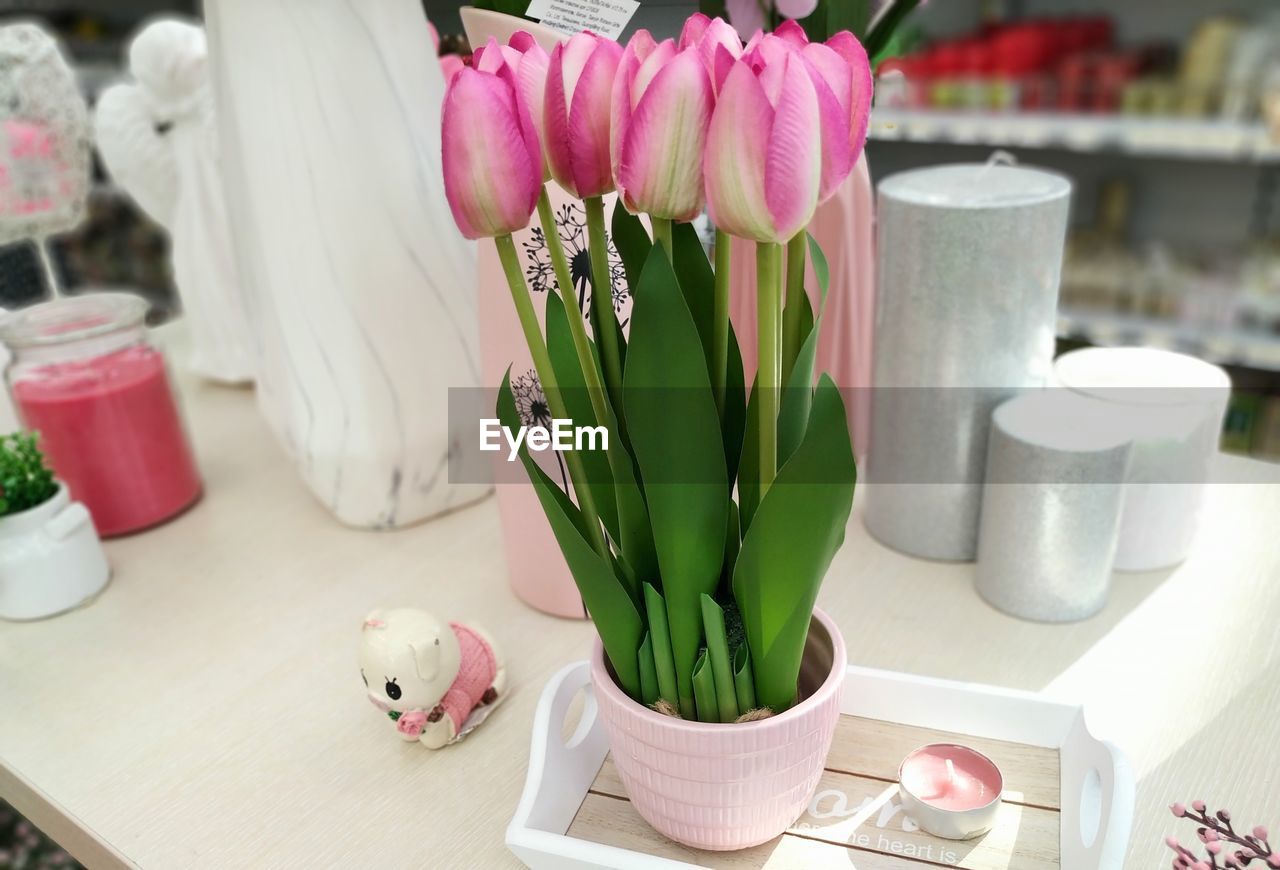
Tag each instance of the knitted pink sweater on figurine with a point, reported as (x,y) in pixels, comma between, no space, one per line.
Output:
(434,681)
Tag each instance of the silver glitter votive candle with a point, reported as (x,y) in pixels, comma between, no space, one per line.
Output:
(1051,505)
(970,257)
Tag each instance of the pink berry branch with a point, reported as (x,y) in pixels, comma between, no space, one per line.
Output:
(1218,837)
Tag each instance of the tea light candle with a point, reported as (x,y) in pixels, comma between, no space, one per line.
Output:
(951,791)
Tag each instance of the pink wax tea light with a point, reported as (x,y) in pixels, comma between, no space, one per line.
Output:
(84,376)
(951,791)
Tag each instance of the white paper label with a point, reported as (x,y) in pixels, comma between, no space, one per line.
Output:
(607,18)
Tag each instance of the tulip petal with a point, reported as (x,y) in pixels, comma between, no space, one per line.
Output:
(724,61)
(481,129)
(791,31)
(793,170)
(588,130)
(734,162)
(661,166)
(695,28)
(833,83)
(555,123)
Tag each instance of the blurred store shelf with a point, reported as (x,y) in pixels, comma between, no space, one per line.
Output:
(1186,138)
(1236,346)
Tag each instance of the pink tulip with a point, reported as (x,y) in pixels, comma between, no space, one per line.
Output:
(842,75)
(796,8)
(492,160)
(662,102)
(717,43)
(577,113)
(764,153)
(746,16)
(449,65)
(529,64)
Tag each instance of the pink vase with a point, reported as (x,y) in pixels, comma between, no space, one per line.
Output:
(731,786)
(535,567)
(845,228)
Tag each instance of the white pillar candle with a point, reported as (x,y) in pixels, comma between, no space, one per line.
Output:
(1173,407)
(970,257)
(1051,506)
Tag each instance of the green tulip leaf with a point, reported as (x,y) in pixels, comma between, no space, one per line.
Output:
(632,241)
(677,443)
(697,282)
(797,398)
(797,529)
(733,423)
(820,268)
(573,392)
(605,594)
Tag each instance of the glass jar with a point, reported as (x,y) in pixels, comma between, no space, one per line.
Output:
(85,377)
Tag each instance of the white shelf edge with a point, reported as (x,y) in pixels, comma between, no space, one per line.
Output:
(1185,138)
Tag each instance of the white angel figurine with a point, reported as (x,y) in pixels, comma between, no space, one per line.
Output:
(157,139)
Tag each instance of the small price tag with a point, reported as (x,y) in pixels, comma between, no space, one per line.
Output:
(607,18)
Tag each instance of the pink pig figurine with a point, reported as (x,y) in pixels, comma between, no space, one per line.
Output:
(429,677)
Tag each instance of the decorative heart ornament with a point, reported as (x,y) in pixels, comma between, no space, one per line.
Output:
(44,137)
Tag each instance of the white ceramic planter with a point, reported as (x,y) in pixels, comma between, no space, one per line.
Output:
(50,559)
(729,786)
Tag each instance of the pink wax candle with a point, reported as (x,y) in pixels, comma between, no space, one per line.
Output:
(98,394)
(951,790)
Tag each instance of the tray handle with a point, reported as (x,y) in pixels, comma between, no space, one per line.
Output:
(550,802)
(1098,792)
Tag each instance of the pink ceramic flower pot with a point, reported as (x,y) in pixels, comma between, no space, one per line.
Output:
(726,787)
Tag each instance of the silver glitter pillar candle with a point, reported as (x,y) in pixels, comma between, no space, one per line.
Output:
(970,256)
(1051,505)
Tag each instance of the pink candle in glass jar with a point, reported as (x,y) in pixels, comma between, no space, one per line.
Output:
(950,790)
(84,376)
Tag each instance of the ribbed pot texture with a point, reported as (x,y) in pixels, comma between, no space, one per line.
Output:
(726,787)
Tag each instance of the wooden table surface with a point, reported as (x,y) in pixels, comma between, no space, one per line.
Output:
(207,710)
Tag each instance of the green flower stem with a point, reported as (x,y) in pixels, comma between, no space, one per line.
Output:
(581,343)
(797,248)
(602,296)
(720,318)
(768,303)
(546,374)
(662,234)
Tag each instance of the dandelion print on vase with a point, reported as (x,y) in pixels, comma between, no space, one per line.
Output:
(535,567)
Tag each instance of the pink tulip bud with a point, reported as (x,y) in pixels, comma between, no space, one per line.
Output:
(577,113)
(842,77)
(796,8)
(763,161)
(449,65)
(529,64)
(662,102)
(492,160)
(1198,806)
(1178,810)
(717,43)
(1260,832)
(746,16)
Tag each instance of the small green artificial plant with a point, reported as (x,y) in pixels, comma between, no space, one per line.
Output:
(25,481)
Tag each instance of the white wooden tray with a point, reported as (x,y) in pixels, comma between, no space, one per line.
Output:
(1068,796)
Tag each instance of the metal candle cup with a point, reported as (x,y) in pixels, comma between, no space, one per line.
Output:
(950,790)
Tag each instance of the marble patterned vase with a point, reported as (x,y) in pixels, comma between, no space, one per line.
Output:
(358,280)
(845,228)
(535,567)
